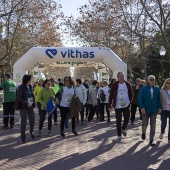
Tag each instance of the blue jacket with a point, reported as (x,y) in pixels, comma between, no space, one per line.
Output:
(145,101)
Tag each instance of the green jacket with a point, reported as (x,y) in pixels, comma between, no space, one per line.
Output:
(45,95)
(9,91)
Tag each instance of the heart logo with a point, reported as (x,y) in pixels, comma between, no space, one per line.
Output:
(51,52)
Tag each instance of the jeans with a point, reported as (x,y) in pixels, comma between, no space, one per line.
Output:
(8,113)
(55,114)
(102,111)
(87,110)
(67,120)
(126,115)
(82,114)
(39,108)
(97,109)
(42,119)
(31,116)
(92,112)
(164,115)
(133,111)
(145,118)
(64,112)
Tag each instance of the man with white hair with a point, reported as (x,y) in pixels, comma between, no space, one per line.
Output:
(150,104)
(120,98)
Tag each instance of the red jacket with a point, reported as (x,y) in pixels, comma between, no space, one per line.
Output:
(113,93)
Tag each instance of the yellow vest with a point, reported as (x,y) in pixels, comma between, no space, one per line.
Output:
(56,88)
(37,92)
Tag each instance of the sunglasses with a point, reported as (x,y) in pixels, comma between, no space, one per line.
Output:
(66,80)
(48,84)
(152,79)
(103,83)
(52,81)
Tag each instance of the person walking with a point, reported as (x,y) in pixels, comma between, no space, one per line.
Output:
(150,105)
(56,89)
(26,100)
(112,81)
(86,85)
(36,94)
(60,83)
(64,97)
(46,94)
(92,101)
(97,107)
(165,100)
(136,88)
(121,95)
(9,96)
(103,94)
(80,92)
(143,82)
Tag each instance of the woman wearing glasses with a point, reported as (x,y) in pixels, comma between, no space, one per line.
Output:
(143,82)
(165,99)
(103,94)
(46,94)
(65,95)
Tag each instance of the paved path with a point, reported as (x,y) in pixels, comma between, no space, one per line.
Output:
(95,148)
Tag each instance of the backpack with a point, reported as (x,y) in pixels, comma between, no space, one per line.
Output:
(102,96)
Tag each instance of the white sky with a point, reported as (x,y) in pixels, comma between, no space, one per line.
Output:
(69,7)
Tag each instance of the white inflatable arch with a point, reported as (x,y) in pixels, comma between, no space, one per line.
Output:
(69,54)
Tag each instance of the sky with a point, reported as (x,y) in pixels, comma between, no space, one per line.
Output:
(69,7)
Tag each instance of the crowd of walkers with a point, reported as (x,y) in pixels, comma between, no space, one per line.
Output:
(94,97)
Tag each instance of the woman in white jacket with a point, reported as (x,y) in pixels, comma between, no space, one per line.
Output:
(80,92)
(103,94)
(165,100)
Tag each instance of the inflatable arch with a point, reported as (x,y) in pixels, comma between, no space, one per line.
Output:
(56,54)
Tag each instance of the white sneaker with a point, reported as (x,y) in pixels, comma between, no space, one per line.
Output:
(119,138)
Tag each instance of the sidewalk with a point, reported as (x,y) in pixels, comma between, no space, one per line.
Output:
(95,148)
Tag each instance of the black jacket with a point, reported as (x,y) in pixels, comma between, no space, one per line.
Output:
(136,93)
(22,96)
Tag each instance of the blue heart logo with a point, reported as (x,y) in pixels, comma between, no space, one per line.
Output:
(51,52)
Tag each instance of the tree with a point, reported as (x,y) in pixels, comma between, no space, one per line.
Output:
(98,25)
(154,60)
(125,26)
(148,18)
(32,23)
(9,7)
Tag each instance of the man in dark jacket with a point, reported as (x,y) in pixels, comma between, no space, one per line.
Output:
(136,88)
(121,95)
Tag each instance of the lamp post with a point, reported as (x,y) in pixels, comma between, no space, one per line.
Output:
(162,53)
